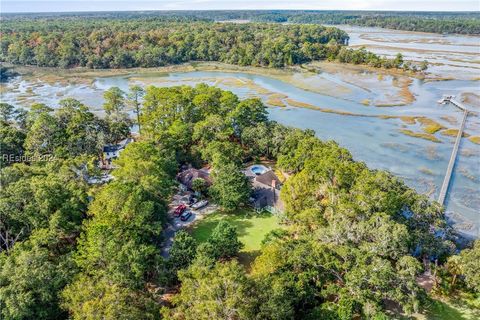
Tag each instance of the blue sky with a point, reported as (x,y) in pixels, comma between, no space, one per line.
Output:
(111,5)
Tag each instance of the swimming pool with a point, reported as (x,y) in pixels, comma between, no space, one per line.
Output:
(258,169)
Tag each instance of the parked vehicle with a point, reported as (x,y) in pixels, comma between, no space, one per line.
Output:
(192,200)
(200,204)
(179,210)
(185,215)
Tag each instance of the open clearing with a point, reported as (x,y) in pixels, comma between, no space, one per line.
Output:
(251,227)
(449,310)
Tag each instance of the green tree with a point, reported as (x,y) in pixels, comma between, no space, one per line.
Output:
(149,166)
(259,139)
(134,100)
(114,101)
(222,152)
(178,137)
(212,128)
(221,291)
(117,121)
(199,185)
(122,209)
(249,112)
(32,276)
(398,61)
(230,187)
(424,65)
(21,118)
(52,196)
(11,142)
(84,132)
(35,111)
(294,147)
(98,298)
(470,267)
(45,136)
(183,251)
(223,242)
(7,111)
(327,170)
(291,273)
(117,127)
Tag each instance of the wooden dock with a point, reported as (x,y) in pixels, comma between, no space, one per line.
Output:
(453,157)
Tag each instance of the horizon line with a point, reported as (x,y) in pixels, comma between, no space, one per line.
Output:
(220,10)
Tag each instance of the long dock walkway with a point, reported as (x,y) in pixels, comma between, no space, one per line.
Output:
(453,156)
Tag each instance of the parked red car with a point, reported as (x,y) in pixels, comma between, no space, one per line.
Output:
(179,210)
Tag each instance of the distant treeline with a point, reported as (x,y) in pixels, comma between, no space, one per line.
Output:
(125,43)
(114,42)
(437,22)
(123,40)
(408,23)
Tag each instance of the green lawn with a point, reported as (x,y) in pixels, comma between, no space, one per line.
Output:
(251,227)
(449,310)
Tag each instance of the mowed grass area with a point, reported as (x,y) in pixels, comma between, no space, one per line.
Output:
(251,227)
(449,310)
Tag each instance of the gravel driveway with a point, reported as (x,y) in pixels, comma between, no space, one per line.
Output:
(175,224)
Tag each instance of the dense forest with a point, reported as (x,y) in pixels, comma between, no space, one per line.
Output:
(437,22)
(469,24)
(144,41)
(355,240)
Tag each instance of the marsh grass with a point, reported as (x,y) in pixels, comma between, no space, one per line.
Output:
(276,99)
(300,76)
(365,102)
(299,104)
(421,135)
(453,133)
(430,126)
(276,102)
(451,120)
(475,139)
(426,171)
(408,120)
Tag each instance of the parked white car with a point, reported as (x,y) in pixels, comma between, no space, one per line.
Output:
(200,204)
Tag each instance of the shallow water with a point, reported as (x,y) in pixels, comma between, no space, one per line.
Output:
(452,56)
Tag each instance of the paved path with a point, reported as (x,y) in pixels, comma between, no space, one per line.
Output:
(168,236)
